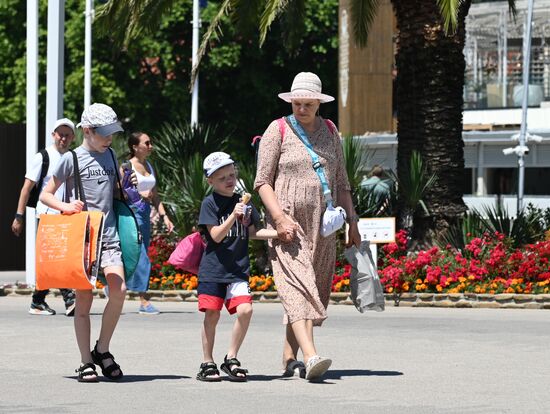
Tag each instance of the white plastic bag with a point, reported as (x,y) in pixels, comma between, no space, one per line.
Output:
(333,220)
(366,289)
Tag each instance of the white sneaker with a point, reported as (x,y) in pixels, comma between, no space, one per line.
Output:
(316,367)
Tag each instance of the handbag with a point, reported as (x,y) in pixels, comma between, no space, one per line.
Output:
(68,247)
(333,217)
(188,253)
(128,230)
(366,289)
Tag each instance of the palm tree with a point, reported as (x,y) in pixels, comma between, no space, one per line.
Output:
(430,78)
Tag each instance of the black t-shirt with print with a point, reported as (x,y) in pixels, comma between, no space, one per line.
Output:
(227,261)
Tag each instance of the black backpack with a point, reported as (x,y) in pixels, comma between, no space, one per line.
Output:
(35,192)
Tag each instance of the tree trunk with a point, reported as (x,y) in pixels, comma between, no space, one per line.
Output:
(430,80)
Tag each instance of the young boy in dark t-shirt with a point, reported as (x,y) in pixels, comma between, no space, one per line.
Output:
(227,222)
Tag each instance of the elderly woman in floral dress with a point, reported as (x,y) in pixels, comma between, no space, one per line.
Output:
(302,259)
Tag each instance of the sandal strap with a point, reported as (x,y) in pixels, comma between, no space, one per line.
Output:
(86,370)
(108,371)
(209,368)
(235,363)
(231,361)
(104,355)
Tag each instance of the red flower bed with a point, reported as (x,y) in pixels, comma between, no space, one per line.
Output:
(488,264)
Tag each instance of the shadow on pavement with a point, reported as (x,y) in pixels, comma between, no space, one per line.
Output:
(339,373)
(139,378)
(266,377)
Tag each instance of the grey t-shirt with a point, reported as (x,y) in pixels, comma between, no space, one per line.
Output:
(98,175)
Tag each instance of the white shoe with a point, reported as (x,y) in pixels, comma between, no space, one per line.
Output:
(316,367)
(106,291)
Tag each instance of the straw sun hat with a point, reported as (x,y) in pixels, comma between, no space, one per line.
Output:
(306,85)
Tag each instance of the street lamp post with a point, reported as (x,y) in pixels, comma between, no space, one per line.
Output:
(195,95)
(89,17)
(31,129)
(521,149)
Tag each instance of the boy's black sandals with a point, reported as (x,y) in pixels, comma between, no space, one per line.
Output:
(207,372)
(107,370)
(87,373)
(232,367)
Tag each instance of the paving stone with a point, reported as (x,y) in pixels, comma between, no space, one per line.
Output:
(444,304)
(504,297)
(486,305)
(522,298)
(440,296)
(422,304)
(512,306)
(463,304)
(542,298)
(425,297)
(533,305)
(485,297)
(455,297)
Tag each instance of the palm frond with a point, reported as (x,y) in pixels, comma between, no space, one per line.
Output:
(449,13)
(415,183)
(354,157)
(363,13)
(125,21)
(294,24)
(272,9)
(245,15)
(213,28)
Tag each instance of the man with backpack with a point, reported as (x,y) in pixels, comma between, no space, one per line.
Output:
(36,178)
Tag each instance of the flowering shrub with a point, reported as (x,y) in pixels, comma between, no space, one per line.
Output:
(488,264)
(340,279)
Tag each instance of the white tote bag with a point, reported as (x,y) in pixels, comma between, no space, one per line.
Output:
(366,289)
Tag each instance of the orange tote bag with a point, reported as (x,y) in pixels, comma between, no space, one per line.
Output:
(68,250)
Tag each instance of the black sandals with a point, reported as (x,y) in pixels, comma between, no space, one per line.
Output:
(87,373)
(233,373)
(207,372)
(107,371)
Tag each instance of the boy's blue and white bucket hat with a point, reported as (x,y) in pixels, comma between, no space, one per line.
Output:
(102,118)
(215,161)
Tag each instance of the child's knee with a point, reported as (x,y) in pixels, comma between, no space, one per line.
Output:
(118,292)
(211,315)
(244,310)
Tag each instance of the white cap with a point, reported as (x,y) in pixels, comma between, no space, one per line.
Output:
(215,161)
(102,118)
(63,121)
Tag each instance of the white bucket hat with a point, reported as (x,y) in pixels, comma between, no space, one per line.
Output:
(306,85)
(215,161)
(102,118)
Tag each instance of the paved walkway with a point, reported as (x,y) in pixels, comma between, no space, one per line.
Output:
(403,360)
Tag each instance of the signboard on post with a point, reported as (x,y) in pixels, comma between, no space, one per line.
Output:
(377,230)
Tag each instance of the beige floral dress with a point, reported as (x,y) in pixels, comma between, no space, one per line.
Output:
(302,269)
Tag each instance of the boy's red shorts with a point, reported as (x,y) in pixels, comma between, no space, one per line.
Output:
(212,295)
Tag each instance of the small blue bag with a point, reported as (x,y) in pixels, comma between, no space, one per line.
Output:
(128,231)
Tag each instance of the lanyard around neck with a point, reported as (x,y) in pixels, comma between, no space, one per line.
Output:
(314,157)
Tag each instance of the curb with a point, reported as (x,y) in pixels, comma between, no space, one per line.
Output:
(414,300)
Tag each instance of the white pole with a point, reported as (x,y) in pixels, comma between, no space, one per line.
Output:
(55,63)
(505,63)
(523,130)
(195,96)
(32,130)
(89,16)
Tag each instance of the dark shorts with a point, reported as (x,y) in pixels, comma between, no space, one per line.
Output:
(213,295)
